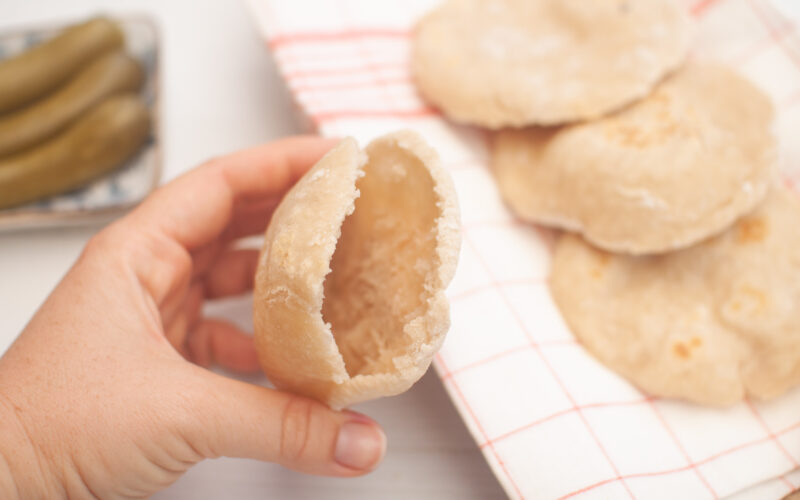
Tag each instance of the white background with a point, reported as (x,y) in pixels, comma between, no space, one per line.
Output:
(220,93)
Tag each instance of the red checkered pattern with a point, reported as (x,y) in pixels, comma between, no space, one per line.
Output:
(551,421)
(773,488)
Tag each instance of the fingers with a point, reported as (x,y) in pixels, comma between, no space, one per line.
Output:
(177,324)
(250,218)
(209,340)
(216,341)
(232,273)
(196,208)
(242,420)
(203,258)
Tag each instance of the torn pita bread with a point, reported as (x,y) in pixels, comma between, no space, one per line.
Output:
(349,293)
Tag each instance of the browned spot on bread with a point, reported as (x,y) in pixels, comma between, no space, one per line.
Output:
(748,303)
(751,230)
(684,350)
(601,264)
(656,113)
(681,350)
(634,136)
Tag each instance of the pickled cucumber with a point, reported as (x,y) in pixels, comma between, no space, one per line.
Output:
(44,67)
(109,74)
(99,141)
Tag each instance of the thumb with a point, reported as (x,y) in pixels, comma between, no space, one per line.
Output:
(237,419)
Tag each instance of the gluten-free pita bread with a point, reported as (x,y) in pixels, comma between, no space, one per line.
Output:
(499,63)
(349,293)
(711,323)
(666,172)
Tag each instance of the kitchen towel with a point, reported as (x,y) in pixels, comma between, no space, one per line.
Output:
(551,421)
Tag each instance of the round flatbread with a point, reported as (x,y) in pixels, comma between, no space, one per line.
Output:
(349,291)
(664,173)
(710,324)
(499,63)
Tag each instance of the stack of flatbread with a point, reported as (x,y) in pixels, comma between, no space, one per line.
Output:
(679,267)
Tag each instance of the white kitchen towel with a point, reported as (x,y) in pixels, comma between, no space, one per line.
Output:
(551,421)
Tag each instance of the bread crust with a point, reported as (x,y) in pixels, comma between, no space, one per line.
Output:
(710,324)
(512,63)
(664,173)
(350,289)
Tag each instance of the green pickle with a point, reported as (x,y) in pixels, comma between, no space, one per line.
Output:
(41,69)
(110,74)
(95,144)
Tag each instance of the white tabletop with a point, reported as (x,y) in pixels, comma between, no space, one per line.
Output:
(221,93)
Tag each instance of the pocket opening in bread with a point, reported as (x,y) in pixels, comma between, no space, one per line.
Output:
(349,301)
(383,269)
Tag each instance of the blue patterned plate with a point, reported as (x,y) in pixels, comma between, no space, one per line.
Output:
(126,186)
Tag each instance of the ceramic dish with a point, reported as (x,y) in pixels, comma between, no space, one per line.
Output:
(126,186)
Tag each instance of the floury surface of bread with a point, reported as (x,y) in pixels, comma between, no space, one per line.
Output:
(666,172)
(512,63)
(349,293)
(710,324)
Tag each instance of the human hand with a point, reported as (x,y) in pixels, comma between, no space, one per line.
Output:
(97,398)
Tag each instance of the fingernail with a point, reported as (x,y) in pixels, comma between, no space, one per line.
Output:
(359,445)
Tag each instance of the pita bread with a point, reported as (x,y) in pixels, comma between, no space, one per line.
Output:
(499,63)
(674,168)
(349,292)
(710,324)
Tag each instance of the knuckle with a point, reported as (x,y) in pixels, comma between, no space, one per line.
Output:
(295,428)
(103,243)
(211,161)
(161,264)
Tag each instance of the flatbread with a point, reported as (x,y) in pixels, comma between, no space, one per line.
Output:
(349,292)
(674,168)
(710,324)
(499,63)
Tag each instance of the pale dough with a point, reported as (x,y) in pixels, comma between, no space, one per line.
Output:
(710,324)
(349,293)
(499,63)
(666,172)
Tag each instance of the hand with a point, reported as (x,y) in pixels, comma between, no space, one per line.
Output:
(98,397)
